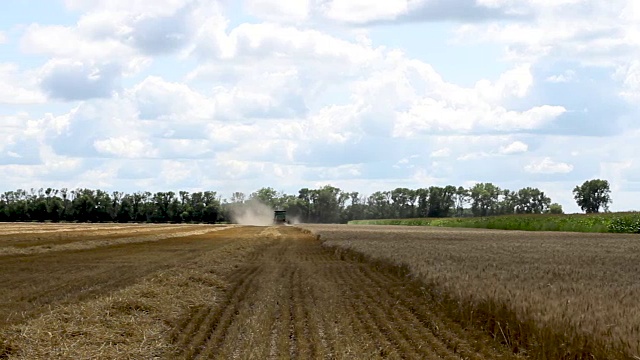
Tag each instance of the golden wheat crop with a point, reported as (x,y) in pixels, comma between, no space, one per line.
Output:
(549,295)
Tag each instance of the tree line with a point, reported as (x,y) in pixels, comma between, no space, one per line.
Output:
(327,204)
(87,205)
(330,204)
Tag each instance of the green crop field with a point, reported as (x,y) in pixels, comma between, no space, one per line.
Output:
(627,222)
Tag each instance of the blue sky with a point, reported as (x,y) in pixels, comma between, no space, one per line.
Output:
(233,96)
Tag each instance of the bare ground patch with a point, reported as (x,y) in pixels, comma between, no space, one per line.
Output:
(106,238)
(134,322)
(296,299)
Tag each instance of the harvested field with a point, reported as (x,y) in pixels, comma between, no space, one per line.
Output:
(43,279)
(550,295)
(243,292)
(30,240)
(296,299)
(114,302)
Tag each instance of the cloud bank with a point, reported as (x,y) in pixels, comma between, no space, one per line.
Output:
(194,94)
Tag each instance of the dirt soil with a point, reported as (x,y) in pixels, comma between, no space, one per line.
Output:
(34,283)
(283,296)
(296,299)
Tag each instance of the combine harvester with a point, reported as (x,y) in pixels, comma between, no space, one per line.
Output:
(280,217)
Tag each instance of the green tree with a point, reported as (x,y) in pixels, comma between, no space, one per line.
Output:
(212,207)
(125,209)
(422,198)
(461,199)
(55,205)
(357,209)
(326,204)
(267,196)
(84,205)
(484,199)
(531,201)
(441,201)
(403,202)
(304,195)
(237,198)
(593,195)
(379,205)
(294,207)
(555,208)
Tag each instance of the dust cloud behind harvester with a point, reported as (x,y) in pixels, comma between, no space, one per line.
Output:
(252,212)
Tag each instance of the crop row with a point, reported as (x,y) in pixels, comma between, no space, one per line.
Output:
(628,222)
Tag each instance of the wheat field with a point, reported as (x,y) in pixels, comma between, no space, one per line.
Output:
(212,292)
(548,295)
(315,292)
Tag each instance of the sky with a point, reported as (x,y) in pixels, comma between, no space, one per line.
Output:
(222,95)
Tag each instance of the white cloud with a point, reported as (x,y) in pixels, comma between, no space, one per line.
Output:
(616,172)
(113,34)
(335,124)
(49,125)
(548,166)
(69,42)
(522,4)
(226,134)
(102,177)
(363,11)
(3,38)
(513,83)
(566,76)
(515,147)
(115,38)
(54,163)
(343,171)
(48,169)
(125,147)
(473,156)
(267,94)
(100,126)
(73,80)
(18,87)
(174,172)
(11,128)
(629,74)
(181,94)
(432,116)
(268,39)
(185,148)
(285,11)
(158,7)
(157,99)
(441,153)
(604,33)
(236,169)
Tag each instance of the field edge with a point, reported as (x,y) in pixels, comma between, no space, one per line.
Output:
(621,222)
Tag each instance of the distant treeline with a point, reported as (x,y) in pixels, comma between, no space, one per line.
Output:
(327,204)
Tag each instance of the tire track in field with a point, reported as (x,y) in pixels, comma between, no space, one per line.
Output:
(295,299)
(34,284)
(208,327)
(187,332)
